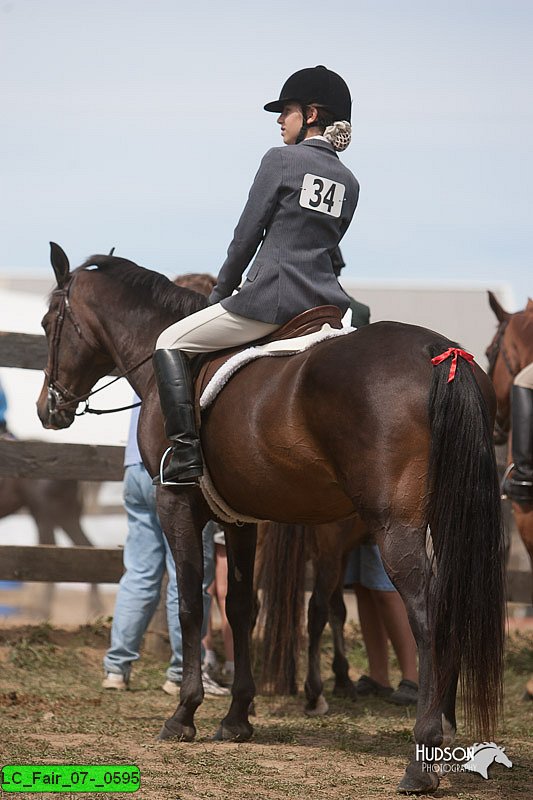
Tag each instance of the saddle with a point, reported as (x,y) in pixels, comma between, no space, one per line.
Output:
(309,321)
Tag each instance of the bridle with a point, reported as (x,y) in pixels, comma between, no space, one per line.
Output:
(494,350)
(59,398)
(498,347)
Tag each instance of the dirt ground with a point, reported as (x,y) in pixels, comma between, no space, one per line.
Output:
(53,711)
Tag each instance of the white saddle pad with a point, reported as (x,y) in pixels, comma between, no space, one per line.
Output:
(282,347)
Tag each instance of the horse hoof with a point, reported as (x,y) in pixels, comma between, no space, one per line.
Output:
(318,708)
(241,734)
(415,781)
(175,730)
(347,690)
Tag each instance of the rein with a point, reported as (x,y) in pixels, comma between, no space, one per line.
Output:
(498,348)
(59,397)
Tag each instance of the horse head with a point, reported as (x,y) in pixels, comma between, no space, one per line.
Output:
(501,757)
(75,359)
(485,754)
(499,371)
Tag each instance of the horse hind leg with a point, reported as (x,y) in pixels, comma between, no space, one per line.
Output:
(403,550)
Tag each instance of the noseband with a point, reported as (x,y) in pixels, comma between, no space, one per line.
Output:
(59,397)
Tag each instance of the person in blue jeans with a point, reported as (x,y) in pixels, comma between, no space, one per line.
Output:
(146,557)
(3,410)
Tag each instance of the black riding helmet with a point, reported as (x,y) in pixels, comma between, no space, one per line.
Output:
(316,85)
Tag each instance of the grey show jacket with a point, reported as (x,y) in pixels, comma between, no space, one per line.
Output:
(292,271)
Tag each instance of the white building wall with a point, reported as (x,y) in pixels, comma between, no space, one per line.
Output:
(460,312)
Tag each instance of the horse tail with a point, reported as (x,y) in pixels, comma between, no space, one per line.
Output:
(281,577)
(467,598)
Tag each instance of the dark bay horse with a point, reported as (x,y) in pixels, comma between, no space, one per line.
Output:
(509,352)
(362,423)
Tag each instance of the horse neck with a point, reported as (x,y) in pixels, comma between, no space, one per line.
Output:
(520,333)
(130,344)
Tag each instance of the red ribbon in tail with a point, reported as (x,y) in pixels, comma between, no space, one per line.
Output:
(455,352)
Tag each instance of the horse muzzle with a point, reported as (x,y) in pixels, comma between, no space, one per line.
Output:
(52,412)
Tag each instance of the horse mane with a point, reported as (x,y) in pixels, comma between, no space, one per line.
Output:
(522,325)
(148,284)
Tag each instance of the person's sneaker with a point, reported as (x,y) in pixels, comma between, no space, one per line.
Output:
(366,686)
(210,669)
(406,694)
(211,687)
(227,676)
(171,687)
(115,680)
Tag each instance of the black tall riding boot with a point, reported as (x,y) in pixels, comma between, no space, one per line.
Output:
(519,484)
(176,395)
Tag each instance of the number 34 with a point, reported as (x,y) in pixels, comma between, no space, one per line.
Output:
(321,194)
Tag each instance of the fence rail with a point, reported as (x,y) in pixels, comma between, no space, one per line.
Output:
(84,462)
(61,564)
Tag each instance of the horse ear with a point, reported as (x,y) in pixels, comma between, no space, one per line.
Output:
(500,312)
(111,251)
(60,264)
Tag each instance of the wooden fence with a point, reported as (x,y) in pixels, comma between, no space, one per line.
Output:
(37,459)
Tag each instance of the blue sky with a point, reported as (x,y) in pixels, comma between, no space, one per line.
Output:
(139,124)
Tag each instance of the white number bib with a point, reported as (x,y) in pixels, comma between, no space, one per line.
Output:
(321,194)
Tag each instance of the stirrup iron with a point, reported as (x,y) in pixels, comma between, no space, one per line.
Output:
(163,482)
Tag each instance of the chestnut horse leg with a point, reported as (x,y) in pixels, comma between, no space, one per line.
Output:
(317,616)
(183,515)
(46,535)
(72,527)
(344,686)
(332,544)
(240,608)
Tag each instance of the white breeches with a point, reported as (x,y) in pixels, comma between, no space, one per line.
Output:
(212,328)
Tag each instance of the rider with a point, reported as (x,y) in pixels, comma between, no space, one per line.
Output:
(519,484)
(299,207)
